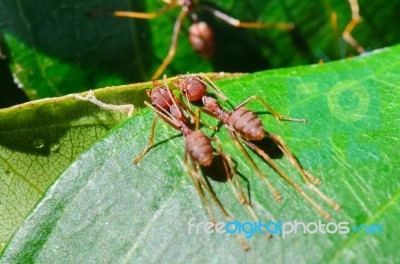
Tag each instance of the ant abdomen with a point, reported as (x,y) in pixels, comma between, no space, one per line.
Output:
(201,37)
(199,147)
(247,123)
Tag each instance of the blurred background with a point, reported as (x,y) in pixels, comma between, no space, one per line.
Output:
(53,48)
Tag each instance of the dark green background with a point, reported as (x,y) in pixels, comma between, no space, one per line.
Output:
(57,42)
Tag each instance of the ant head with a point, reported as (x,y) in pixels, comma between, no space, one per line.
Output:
(193,88)
(161,97)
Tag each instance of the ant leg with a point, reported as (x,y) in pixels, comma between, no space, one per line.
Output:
(135,14)
(187,108)
(334,23)
(306,176)
(355,20)
(201,109)
(174,41)
(237,23)
(90,97)
(209,190)
(240,197)
(166,116)
(198,180)
(268,159)
(197,118)
(228,163)
(278,116)
(312,178)
(199,189)
(274,192)
(219,204)
(196,115)
(176,85)
(213,86)
(204,110)
(175,101)
(149,144)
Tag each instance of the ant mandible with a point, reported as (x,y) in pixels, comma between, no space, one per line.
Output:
(201,35)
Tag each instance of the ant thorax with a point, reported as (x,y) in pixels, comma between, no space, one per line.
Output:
(185,130)
(212,105)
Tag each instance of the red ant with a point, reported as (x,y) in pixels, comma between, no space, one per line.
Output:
(201,35)
(198,150)
(245,126)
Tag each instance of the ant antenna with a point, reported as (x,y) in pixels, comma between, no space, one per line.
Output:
(213,86)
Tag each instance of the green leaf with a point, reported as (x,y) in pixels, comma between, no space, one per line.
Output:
(40,139)
(104,208)
(56,49)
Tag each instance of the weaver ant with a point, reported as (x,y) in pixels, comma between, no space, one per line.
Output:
(245,126)
(198,149)
(201,35)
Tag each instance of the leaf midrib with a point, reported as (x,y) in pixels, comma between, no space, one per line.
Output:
(370,220)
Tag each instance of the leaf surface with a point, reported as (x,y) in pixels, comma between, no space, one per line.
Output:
(40,139)
(104,208)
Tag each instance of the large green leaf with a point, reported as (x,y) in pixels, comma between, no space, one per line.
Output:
(55,49)
(40,139)
(104,208)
